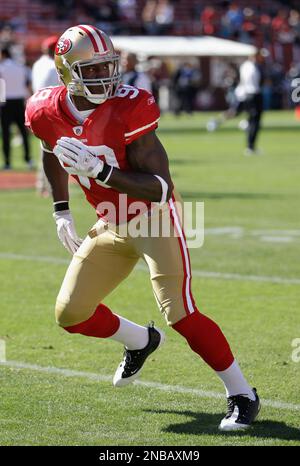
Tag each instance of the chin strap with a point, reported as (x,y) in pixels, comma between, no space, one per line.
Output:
(94,100)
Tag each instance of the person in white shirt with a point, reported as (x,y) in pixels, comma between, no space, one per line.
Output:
(44,74)
(251,81)
(15,76)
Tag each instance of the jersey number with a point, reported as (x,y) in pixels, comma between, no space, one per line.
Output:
(125,90)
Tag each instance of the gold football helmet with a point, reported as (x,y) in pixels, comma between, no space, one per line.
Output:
(81,46)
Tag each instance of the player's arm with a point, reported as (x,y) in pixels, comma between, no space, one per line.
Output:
(150,179)
(58,179)
(151,175)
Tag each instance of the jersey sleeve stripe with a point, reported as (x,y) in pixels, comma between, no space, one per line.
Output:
(127,135)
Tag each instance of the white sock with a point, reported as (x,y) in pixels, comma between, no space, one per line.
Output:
(132,335)
(234,381)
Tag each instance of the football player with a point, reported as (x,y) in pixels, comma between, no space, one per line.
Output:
(103,134)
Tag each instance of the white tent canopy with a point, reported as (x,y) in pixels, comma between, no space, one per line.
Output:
(168,46)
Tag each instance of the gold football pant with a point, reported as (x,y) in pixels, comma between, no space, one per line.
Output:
(101,263)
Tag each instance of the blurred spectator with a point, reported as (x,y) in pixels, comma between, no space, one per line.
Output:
(164,16)
(15,76)
(252,80)
(280,21)
(6,36)
(19,23)
(8,41)
(44,74)
(160,77)
(127,10)
(186,84)
(148,17)
(265,26)
(107,16)
(131,75)
(294,22)
(249,27)
(233,19)
(209,20)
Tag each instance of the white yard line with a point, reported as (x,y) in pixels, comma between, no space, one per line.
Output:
(22,257)
(195,272)
(157,386)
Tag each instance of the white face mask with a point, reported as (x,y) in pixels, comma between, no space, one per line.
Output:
(108,85)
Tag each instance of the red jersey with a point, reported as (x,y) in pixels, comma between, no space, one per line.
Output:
(112,125)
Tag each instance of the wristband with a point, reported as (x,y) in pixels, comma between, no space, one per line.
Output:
(60,205)
(105,174)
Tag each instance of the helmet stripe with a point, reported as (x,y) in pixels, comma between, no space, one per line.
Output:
(91,36)
(96,38)
(101,37)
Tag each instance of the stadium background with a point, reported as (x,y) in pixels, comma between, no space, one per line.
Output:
(274,25)
(55,388)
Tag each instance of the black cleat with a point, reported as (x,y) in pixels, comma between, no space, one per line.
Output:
(241,412)
(131,366)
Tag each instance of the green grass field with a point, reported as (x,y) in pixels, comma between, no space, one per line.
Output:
(246,277)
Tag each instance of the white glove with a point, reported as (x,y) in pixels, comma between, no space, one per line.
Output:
(66,230)
(81,159)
